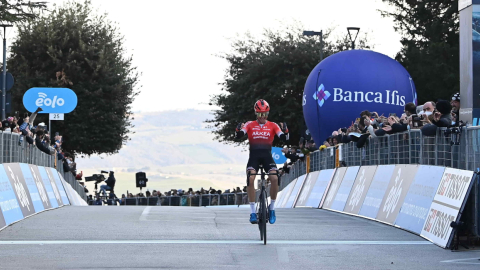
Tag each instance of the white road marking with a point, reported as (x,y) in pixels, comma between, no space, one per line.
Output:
(145,212)
(273,242)
(463,261)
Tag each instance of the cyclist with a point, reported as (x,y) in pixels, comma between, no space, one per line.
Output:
(260,137)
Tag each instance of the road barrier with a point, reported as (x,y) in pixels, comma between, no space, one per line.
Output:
(188,200)
(422,199)
(27,189)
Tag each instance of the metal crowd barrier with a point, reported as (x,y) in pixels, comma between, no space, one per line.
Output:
(15,149)
(409,147)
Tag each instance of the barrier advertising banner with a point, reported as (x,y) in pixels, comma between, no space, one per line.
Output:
(321,187)
(377,189)
(73,196)
(49,177)
(448,202)
(359,189)
(307,188)
(398,187)
(37,195)
(53,173)
(29,173)
(419,198)
(46,183)
(286,194)
(15,176)
(2,220)
(293,195)
(8,200)
(333,188)
(345,188)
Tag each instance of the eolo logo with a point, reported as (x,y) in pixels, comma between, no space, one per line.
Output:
(43,100)
(51,100)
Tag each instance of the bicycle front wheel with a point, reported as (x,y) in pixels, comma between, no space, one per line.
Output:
(264,213)
(261,219)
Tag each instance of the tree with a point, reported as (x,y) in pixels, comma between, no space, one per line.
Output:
(275,68)
(71,47)
(430,45)
(12,11)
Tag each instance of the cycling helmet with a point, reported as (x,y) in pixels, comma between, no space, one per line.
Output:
(261,106)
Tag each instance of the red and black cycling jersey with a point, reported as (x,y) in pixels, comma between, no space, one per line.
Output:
(260,136)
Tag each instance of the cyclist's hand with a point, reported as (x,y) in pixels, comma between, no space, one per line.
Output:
(283,127)
(239,127)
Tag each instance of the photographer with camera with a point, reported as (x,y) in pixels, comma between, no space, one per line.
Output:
(39,142)
(110,184)
(441,117)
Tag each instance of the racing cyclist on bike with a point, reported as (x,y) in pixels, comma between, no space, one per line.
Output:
(260,137)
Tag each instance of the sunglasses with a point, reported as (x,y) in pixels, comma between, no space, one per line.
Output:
(265,114)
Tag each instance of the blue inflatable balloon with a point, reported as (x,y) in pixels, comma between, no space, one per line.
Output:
(349,82)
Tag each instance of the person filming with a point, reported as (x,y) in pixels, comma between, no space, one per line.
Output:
(110,184)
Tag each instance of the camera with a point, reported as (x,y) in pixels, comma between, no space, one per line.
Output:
(96,177)
(417,121)
(455,133)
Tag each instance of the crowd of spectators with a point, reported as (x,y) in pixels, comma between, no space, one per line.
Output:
(38,136)
(190,193)
(427,117)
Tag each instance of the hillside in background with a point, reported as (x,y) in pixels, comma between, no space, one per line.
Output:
(176,150)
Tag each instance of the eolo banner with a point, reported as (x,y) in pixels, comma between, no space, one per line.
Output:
(51,100)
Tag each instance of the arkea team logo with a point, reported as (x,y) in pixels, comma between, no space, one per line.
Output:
(321,95)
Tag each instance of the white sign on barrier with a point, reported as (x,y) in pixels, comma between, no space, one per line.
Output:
(294,194)
(447,203)
(334,186)
(359,189)
(398,187)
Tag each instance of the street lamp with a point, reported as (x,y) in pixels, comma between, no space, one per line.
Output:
(4,84)
(353,29)
(313,33)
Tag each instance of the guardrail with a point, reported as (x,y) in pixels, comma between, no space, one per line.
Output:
(13,151)
(186,200)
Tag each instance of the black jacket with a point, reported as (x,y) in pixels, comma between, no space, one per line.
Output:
(40,146)
(110,181)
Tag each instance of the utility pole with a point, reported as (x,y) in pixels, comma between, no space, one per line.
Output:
(4,84)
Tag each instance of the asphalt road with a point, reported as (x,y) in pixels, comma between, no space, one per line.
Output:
(136,237)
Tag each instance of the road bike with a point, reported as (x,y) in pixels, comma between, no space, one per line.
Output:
(262,205)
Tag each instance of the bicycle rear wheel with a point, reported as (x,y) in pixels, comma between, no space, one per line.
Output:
(261,219)
(264,224)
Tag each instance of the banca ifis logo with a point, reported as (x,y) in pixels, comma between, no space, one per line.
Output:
(321,95)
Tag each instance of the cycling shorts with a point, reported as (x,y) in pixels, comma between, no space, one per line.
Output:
(261,157)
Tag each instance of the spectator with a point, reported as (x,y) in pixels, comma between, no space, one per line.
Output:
(455,102)
(39,143)
(110,184)
(122,200)
(441,117)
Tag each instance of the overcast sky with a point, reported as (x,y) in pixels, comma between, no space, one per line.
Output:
(174,43)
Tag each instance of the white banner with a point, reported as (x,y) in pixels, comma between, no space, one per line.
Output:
(437,226)
(453,187)
(447,204)
(463,4)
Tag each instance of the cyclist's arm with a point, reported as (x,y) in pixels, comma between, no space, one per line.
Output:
(241,130)
(239,134)
(280,133)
